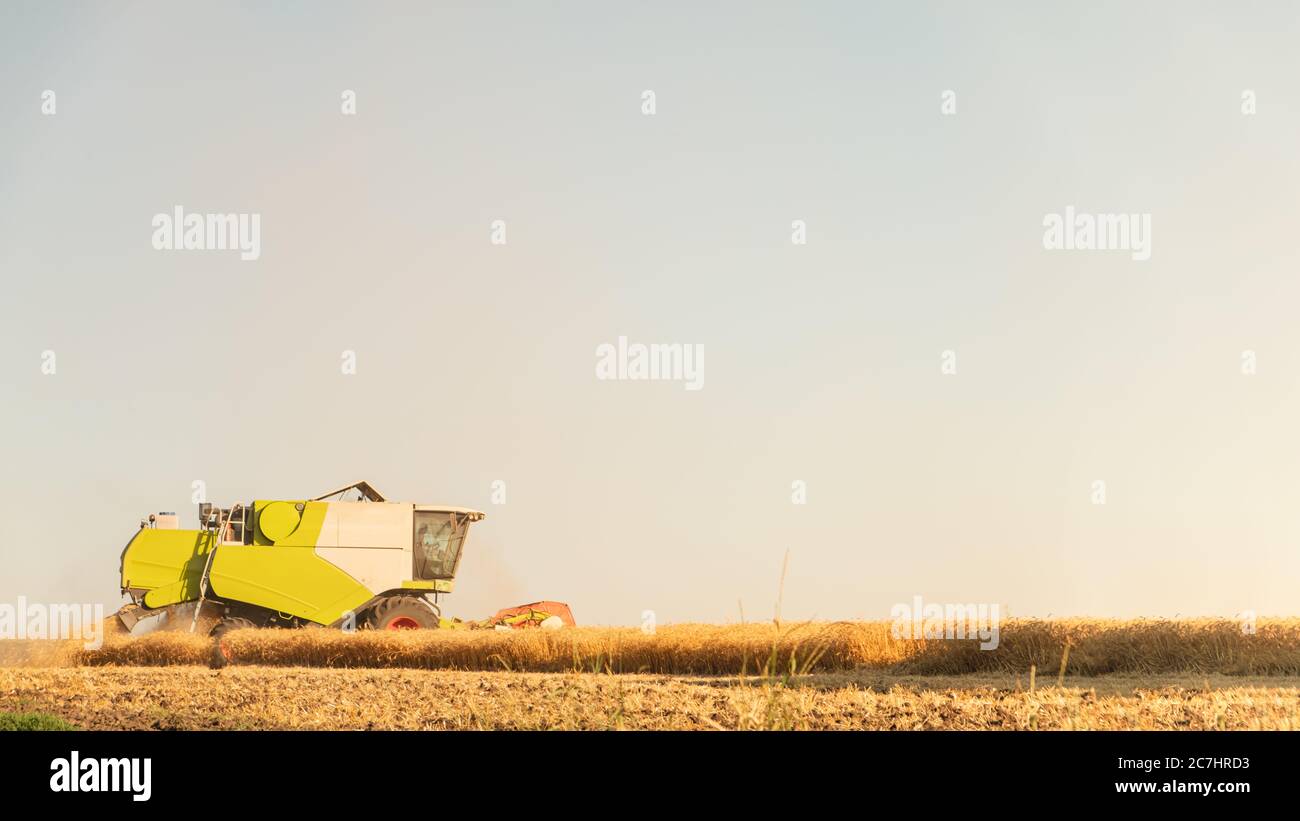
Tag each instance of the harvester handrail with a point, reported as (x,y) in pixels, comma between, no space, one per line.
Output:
(217,536)
(367,491)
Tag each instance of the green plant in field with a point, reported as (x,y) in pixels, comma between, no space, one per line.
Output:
(779,672)
(33,721)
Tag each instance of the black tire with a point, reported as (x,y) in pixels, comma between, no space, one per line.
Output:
(220,655)
(403,613)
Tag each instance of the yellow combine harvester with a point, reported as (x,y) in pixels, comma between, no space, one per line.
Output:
(367,563)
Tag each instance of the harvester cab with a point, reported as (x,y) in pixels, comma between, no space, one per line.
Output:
(367,562)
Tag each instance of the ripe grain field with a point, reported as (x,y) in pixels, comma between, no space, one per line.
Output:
(1096,647)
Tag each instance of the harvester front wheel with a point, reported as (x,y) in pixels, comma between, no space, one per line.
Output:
(403,613)
(220,651)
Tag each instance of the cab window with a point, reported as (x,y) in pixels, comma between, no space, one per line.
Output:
(436,549)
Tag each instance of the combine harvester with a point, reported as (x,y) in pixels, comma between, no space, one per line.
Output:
(368,563)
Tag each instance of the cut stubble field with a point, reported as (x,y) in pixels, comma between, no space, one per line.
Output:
(258,698)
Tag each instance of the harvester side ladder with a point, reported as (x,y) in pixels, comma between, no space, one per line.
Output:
(217,536)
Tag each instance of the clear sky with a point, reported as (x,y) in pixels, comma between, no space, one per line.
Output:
(475,362)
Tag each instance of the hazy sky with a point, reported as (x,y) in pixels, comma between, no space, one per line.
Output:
(475,361)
